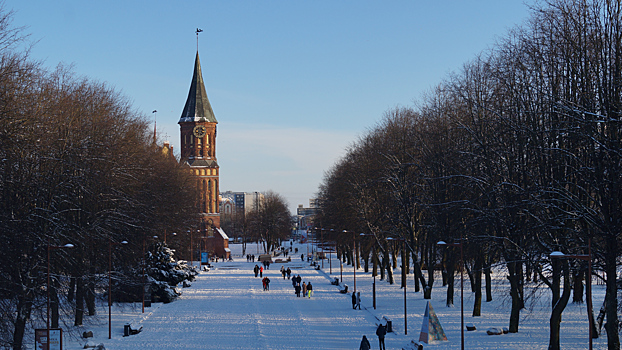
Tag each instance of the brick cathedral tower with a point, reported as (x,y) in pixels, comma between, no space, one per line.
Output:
(198,152)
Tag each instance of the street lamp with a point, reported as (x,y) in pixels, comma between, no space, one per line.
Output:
(442,243)
(110,244)
(587,258)
(50,247)
(403,277)
(173,234)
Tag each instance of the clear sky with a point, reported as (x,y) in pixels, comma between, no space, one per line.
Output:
(292,83)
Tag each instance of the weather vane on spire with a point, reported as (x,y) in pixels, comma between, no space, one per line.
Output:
(198,31)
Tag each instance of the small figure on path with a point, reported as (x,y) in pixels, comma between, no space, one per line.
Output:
(310,289)
(358,300)
(261,271)
(365,344)
(297,288)
(353,301)
(266,283)
(381,332)
(289,273)
(256,270)
(304,289)
(302,257)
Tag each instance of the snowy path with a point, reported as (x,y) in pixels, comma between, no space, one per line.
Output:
(226,308)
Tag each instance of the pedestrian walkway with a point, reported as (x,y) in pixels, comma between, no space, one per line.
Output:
(227,308)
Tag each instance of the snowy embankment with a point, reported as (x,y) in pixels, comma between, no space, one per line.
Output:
(226,308)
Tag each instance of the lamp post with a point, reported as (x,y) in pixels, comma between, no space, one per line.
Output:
(442,243)
(587,258)
(110,244)
(50,247)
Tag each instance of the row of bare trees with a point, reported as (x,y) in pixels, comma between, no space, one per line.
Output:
(270,222)
(519,153)
(77,166)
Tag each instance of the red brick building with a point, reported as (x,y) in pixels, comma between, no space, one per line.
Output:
(198,152)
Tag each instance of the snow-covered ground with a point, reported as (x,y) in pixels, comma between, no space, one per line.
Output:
(226,308)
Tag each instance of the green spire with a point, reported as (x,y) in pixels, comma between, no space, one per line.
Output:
(197,108)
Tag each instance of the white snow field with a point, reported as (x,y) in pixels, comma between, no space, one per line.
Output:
(226,308)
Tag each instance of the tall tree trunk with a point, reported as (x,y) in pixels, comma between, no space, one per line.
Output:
(24,308)
(79,315)
(559,306)
(72,289)
(54,303)
(488,274)
(577,295)
(90,296)
(517,304)
(477,285)
(427,292)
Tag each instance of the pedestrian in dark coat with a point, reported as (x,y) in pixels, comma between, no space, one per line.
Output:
(353,300)
(297,288)
(256,269)
(289,273)
(358,300)
(365,344)
(310,289)
(381,332)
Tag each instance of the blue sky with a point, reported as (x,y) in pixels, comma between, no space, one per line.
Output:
(292,83)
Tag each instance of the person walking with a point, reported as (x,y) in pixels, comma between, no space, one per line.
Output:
(289,273)
(256,270)
(353,301)
(304,289)
(297,288)
(310,290)
(365,344)
(358,300)
(381,332)
(261,271)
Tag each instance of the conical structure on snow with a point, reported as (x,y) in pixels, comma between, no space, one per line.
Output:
(431,328)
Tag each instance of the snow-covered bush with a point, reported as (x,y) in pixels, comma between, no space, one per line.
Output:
(165,273)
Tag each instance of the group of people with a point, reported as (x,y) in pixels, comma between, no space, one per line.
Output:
(286,272)
(381,332)
(258,271)
(250,257)
(305,288)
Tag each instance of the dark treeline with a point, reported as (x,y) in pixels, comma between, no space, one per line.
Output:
(518,154)
(77,165)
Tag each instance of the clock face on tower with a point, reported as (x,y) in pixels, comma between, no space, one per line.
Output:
(199,131)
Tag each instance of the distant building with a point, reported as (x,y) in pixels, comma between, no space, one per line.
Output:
(305,216)
(241,202)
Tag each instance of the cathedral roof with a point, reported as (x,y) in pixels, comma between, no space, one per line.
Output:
(197,108)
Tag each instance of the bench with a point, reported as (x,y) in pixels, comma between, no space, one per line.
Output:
(127,330)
